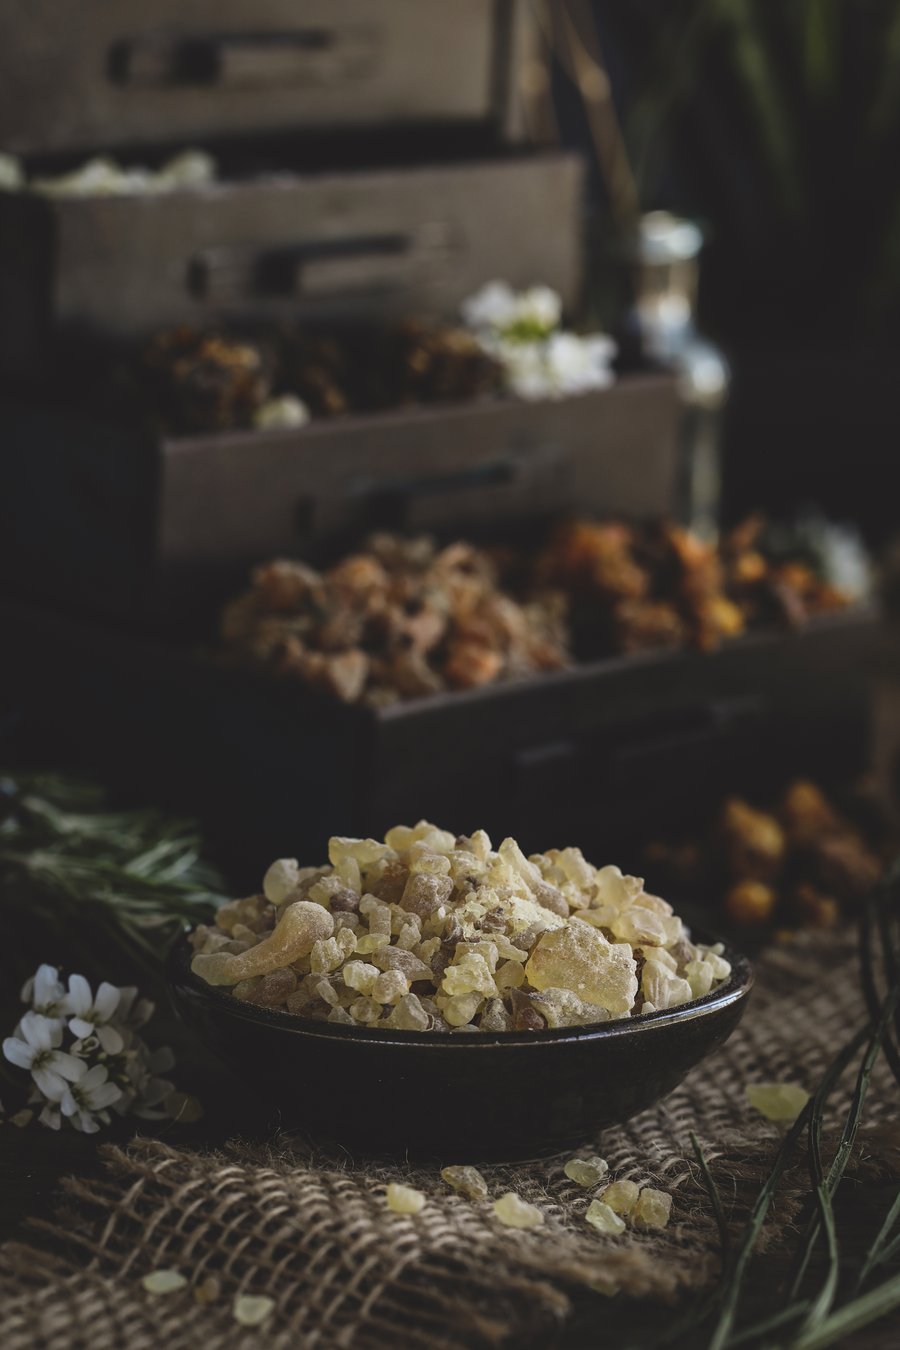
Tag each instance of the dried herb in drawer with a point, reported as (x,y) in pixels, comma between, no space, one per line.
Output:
(187,381)
(403,618)
(398,620)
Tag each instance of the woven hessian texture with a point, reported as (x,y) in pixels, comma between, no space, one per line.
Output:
(313,1232)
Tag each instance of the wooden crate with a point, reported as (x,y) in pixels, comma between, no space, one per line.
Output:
(330,246)
(161,531)
(604,755)
(93,73)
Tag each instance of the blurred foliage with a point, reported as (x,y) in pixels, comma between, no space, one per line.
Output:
(777,124)
(104,889)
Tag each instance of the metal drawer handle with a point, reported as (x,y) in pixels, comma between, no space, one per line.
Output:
(684,731)
(426,500)
(392,502)
(251,60)
(322,269)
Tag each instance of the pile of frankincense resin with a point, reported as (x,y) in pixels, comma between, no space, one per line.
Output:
(430,931)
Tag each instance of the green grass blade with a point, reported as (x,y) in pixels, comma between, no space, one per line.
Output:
(852,1317)
(732,1288)
(715,1197)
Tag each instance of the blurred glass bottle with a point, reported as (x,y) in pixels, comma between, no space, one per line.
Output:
(666,261)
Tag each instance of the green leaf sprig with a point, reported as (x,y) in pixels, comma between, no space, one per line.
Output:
(136,876)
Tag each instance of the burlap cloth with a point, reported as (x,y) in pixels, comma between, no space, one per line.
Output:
(312,1230)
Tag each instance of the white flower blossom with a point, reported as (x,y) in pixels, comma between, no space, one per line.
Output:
(540,359)
(535,312)
(50,1116)
(146,1091)
(284,411)
(580,363)
(12,177)
(35,1046)
(494,306)
(102,177)
(562,365)
(89,1097)
(107,1065)
(45,992)
(523,364)
(90,1016)
(840,551)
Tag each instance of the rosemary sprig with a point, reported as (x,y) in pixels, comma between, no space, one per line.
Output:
(138,877)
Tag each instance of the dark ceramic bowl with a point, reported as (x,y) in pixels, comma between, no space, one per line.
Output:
(459,1097)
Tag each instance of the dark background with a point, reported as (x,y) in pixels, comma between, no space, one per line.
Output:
(777,127)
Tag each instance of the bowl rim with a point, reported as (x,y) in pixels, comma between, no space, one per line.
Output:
(733,990)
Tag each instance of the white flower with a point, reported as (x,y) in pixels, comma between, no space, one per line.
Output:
(284,411)
(101,177)
(45,992)
(562,364)
(494,306)
(846,561)
(539,306)
(189,169)
(34,1047)
(107,1065)
(91,1016)
(96,177)
(150,1091)
(523,316)
(11,176)
(89,1097)
(50,1116)
(525,368)
(841,553)
(151,1105)
(145,1091)
(580,363)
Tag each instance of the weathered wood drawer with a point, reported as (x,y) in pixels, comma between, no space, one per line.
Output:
(102,73)
(605,755)
(162,530)
(330,245)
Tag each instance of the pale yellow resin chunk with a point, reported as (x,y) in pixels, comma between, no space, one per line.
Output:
(621,1196)
(579,958)
(300,926)
(163,1282)
(467,1180)
(781,1102)
(251,1310)
(280,881)
(600,1216)
(586,1172)
(652,1209)
(404,1199)
(514,1212)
